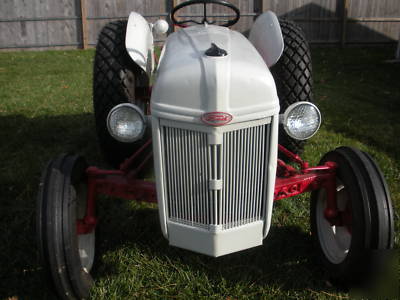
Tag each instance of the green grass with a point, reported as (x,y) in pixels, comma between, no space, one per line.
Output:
(45,109)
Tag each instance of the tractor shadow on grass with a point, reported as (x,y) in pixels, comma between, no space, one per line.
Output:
(26,145)
(285,261)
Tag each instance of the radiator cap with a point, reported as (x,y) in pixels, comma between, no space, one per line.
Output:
(214,50)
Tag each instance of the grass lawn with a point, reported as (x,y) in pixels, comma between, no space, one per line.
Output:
(46,109)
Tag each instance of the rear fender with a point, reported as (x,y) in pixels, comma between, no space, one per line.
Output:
(139,42)
(266,36)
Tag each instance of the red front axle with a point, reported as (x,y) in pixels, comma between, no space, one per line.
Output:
(123,183)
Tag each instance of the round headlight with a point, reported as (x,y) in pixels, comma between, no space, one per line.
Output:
(301,120)
(126,123)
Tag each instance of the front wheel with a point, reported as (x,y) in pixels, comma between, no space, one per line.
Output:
(353,252)
(66,255)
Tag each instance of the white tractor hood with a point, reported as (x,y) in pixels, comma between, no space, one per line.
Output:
(203,156)
(189,83)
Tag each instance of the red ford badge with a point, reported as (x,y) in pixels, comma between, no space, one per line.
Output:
(216,118)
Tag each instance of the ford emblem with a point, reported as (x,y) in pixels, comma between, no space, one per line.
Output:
(216,118)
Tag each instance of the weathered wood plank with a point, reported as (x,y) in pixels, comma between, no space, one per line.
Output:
(63,32)
(30,22)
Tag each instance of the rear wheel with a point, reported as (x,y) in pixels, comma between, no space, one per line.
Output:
(67,256)
(116,79)
(293,77)
(353,251)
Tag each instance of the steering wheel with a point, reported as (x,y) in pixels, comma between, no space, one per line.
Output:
(225,23)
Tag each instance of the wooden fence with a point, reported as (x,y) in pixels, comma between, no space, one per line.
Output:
(77,23)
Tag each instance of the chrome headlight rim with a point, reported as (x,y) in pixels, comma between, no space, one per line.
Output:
(287,114)
(137,110)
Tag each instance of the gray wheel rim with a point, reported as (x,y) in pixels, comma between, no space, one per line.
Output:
(86,242)
(335,241)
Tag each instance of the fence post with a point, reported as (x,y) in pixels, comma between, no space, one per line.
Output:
(266,5)
(170,4)
(344,21)
(261,5)
(257,7)
(84,26)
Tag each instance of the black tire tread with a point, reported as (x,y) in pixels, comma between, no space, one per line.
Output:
(293,76)
(110,87)
(367,250)
(375,190)
(54,190)
(388,204)
(52,238)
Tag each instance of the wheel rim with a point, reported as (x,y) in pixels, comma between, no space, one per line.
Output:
(335,241)
(86,242)
(86,250)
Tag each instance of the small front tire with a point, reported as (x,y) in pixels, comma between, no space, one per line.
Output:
(66,256)
(353,252)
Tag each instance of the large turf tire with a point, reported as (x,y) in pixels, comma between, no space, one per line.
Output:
(355,252)
(293,77)
(115,81)
(67,257)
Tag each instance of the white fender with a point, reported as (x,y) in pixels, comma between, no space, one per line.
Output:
(266,36)
(139,42)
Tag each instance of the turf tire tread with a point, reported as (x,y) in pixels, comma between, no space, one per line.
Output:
(293,76)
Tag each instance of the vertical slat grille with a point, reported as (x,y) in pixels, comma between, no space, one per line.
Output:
(244,153)
(186,173)
(190,163)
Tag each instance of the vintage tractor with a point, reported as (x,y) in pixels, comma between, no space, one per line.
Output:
(224,122)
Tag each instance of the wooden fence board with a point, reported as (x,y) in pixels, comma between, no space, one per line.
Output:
(26,23)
